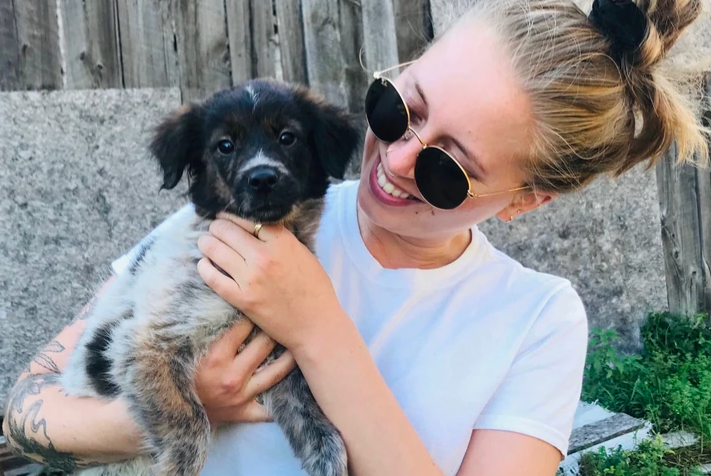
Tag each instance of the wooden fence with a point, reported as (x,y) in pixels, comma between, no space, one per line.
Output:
(203,45)
(685,207)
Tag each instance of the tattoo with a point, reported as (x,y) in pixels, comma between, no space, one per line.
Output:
(44,360)
(27,429)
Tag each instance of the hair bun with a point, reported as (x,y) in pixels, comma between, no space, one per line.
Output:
(622,22)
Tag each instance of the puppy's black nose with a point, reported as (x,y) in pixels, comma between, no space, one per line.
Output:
(263,179)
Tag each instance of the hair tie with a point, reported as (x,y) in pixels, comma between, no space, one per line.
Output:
(622,22)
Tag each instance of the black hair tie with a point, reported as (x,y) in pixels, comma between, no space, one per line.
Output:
(622,22)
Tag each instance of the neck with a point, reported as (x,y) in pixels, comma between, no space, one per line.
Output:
(394,251)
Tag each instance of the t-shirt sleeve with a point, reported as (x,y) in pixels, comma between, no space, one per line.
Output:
(541,391)
(123,262)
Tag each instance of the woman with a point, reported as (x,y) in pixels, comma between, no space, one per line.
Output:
(431,352)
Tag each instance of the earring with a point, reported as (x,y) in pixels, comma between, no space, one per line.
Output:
(518,212)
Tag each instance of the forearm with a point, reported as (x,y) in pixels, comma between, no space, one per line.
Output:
(46,425)
(379,438)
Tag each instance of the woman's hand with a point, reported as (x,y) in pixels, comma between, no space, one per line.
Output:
(276,280)
(228,382)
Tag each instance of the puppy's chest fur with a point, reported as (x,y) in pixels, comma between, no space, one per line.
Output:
(160,305)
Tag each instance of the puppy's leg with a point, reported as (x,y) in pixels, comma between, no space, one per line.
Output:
(314,440)
(163,396)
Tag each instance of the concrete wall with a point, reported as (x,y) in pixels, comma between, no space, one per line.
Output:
(76,189)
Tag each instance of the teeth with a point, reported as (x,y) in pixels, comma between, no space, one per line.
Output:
(389,188)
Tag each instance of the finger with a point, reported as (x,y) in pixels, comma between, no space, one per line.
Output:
(266,233)
(231,261)
(271,374)
(253,354)
(254,412)
(225,287)
(226,346)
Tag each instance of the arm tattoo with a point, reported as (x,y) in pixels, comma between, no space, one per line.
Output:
(44,360)
(27,429)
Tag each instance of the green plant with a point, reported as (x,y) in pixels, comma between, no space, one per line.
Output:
(669,384)
(650,459)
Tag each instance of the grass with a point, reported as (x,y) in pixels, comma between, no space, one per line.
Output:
(650,459)
(668,384)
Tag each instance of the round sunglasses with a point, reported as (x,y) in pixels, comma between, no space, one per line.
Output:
(440,178)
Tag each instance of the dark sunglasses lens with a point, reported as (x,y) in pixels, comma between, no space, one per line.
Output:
(440,180)
(385,110)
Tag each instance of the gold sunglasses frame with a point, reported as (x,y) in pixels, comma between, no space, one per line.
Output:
(378,76)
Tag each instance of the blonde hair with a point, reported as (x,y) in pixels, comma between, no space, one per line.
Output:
(594,115)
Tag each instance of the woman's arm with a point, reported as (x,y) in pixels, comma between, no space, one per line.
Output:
(46,425)
(50,427)
(379,438)
(503,453)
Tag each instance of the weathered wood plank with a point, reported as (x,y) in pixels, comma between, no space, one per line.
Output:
(203,51)
(379,34)
(357,79)
(239,33)
(263,40)
(148,47)
(291,41)
(601,431)
(324,58)
(91,44)
(9,48)
(703,177)
(413,26)
(681,231)
(38,40)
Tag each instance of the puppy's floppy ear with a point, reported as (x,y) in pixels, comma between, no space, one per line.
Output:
(336,138)
(176,144)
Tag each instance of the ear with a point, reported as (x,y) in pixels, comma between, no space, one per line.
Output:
(176,143)
(525,202)
(336,139)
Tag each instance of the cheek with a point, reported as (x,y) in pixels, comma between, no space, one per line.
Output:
(370,147)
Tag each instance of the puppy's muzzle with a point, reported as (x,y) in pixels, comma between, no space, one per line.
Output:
(263,179)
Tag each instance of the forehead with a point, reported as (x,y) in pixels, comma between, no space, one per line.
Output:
(255,106)
(473,93)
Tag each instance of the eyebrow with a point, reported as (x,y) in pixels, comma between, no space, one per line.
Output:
(471,157)
(419,91)
(468,154)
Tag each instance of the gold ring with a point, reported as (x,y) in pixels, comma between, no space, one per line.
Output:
(257,228)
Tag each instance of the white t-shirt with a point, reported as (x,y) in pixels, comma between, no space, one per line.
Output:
(482,343)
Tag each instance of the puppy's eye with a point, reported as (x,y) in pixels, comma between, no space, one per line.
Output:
(225,147)
(287,138)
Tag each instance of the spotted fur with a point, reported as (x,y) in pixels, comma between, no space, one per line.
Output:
(147,332)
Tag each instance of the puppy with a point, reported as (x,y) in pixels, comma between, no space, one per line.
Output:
(264,151)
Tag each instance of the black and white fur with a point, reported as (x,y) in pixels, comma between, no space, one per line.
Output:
(263,151)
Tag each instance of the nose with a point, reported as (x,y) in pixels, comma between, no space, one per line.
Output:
(400,157)
(263,179)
